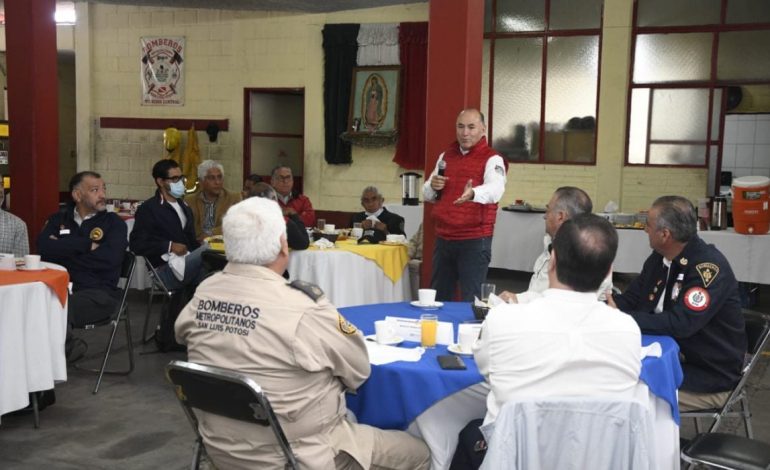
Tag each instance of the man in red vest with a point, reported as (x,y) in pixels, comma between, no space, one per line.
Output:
(465,193)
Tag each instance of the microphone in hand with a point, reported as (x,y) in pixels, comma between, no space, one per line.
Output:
(441,170)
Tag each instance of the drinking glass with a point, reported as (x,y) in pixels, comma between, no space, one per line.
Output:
(320,224)
(486,289)
(428,327)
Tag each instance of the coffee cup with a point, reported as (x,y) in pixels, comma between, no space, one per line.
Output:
(356,232)
(384,331)
(126,206)
(390,238)
(329,228)
(32,262)
(427,296)
(7,262)
(465,340)
(110,207)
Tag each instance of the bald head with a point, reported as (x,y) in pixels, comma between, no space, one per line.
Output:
(470,128)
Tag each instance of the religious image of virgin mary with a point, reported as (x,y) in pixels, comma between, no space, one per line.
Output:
(374,101)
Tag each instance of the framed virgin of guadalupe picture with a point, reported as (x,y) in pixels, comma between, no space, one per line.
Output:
(374,100)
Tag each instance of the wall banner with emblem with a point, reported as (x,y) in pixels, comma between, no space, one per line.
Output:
(162,70)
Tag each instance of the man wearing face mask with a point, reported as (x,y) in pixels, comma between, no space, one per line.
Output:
(164,230)
(90,242)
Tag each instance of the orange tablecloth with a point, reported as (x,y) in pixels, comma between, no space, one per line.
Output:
(53,278)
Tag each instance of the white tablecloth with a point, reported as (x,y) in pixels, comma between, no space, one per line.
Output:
(33,327)
(440,425)
(518,240)
(346,278)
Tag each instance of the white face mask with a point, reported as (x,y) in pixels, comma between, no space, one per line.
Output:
(177,189)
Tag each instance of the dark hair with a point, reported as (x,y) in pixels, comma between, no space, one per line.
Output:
(573,201)
(78,178)
(275,170)
(585,247)
(678,215)
(254,178)
(264,190)
(160,169)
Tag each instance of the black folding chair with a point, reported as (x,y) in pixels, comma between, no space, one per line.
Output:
(727,451)
(225,393)
(213,261)
(157,287)
(757,333)
(120,314)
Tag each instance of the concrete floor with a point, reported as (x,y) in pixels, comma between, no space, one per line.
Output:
(134,422)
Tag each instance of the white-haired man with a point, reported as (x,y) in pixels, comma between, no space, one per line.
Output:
(292,341)
(212,200)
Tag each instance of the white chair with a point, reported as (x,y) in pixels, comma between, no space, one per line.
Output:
(570,433)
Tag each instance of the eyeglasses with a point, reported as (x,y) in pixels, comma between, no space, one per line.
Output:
(176,179)
(283,177)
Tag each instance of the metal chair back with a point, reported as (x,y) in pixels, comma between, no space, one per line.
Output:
(225,393)
(757,334)
(120,313)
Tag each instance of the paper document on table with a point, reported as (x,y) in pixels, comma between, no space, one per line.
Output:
(652,350)
(381,354)
(409,329)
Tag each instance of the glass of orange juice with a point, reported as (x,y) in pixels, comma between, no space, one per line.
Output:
(428,327)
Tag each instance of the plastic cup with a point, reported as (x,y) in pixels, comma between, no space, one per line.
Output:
(487,289)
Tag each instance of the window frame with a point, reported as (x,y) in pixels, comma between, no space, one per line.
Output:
(493,35)
(711,84)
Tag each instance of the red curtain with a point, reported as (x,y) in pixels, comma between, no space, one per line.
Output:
(413,42)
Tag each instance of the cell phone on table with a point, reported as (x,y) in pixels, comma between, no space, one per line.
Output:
(448,362)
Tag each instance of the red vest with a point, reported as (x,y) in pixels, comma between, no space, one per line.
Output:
(469,220)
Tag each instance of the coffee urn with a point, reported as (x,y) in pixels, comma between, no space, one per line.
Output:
(719,213)
(410,191)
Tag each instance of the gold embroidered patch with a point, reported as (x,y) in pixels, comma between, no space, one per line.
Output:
(708,272)
(345,326)
(683,261)
(96,234)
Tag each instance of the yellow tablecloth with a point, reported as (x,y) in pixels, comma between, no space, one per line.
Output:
(392,259)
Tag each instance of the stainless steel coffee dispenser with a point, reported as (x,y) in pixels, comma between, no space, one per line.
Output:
(719,213)
(410,191)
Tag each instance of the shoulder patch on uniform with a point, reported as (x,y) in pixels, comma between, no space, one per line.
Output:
(697,299)
(307,288)
(96,234)
(345,326)
(708,272)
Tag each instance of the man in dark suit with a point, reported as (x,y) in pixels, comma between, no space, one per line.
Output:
(376,217)
(164,230)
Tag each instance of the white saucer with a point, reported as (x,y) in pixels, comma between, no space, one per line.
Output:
(433,306)
(396,340)
(24,268)
(455,349)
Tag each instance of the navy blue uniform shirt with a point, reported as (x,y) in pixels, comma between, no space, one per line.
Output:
(88,269)
(701,310)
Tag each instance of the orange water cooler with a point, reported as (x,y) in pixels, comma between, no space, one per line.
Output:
(751,214)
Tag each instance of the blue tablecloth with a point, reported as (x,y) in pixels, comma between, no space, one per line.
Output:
(396,393)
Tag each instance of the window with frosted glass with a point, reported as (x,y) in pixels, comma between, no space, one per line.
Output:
(520,15)
(570,99)
(744,55)
(516,99)
(748,11)
(542,100)
(707,46)
(679,114)
(569,14)
(672,57)
(678,13)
